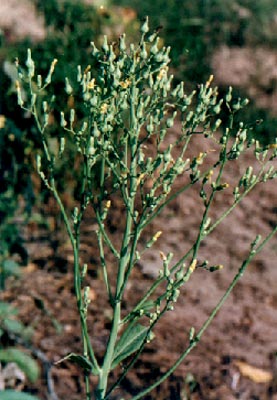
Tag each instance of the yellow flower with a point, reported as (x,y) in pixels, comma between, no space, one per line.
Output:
(163,256)
(157,235)
(200,158)
(53,64)
(209,81)
(87,69)
(91,84)
(125,84)
(2,121)
(104,108)
(192,266)
(209,175)
(162,73)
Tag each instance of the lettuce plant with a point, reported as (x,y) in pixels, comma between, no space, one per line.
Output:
(125,149)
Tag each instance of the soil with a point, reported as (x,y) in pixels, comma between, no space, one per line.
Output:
(235,359)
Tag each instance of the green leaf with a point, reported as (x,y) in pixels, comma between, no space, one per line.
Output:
(16,327)
(6,310)
(82,361)
(13,395)
(26,363)
(13,326)
(10,267)
(130,341)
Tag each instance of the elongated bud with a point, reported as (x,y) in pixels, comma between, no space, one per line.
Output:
(72,116)
(51,70)
(19,97)
(79,73)
(105,46)
(229,95)
(68,87)
(62,146)
(84,271)
(75,215)
(63,121)
(170,121)
(145,27)
(95,51)
(30,64)
(122,44)
(154,239)
(38,163)
(143,52)
(39,81)
(191,333)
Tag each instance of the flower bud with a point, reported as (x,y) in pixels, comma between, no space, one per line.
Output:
(145,26)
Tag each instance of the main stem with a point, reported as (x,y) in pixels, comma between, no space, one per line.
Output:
(125,249)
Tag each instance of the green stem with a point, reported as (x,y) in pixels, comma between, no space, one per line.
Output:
(136,356)
(87,347)
(105,236)
(104,266)
(124,253)
(77,278)
(209,203)
(241,197)
(194,248)
(207,323)
(102,385)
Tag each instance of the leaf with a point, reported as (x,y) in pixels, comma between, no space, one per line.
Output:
(10,267)
(257,375)
(16,327)
(14,395)
(26,363)
(13,326)
(130,341)
(82,361)
(6,310)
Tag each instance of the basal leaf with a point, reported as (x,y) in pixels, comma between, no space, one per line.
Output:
(14,326)
(6,310)
(14,395)
(26,363)
(10,267)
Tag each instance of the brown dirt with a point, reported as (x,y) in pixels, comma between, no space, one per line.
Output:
(252,69)
(243,335)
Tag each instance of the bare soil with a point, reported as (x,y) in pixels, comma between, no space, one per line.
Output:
(236,359)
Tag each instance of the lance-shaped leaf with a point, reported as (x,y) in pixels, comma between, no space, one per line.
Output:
(82,361)
(130,341)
